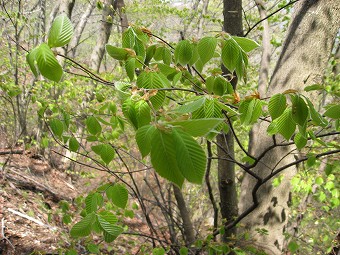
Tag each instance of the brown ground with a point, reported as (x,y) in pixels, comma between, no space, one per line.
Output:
(30,217)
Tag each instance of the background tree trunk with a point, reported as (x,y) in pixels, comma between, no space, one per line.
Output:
(304,56)
(232,12)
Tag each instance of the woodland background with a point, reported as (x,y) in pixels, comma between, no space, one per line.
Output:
(44,186)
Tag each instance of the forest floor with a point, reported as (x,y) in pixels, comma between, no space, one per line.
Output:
(30,214)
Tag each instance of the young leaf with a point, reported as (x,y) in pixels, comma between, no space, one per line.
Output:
(61,31)
(83,227)
(31,60)
(143,113)
(231,54)
(183,52)
(206,48)
(48,65)
(117,53)
(300,110)
(128,38)
(197,127)
(191,159)
(129,111)
(93,125)
(163,157)
(315,116)
(250,111)
(109,228)
(105,151)
(143,139)
(130,65)
(57,127)
(285,124)
(220,85)
(192,106)
(73,144)
(92,201)
(333,112)
(118,194)
(300,141)
(277,105)
(246,44)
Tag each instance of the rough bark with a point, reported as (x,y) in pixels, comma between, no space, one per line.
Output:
(265,57)
(103,36)
(66,7)
(119,7)
(80,28)
(185,215)
(304,56)
(232,11)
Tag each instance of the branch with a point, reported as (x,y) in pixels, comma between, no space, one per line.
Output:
(257,23)
(210,191)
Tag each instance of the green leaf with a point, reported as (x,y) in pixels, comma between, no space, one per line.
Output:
(313,87)
(140,49)
(163,157)
(246,44)
(128,38)
(92,202)
(300,141)
(184,251)
(183,52)
(130,68)
(61,31)
(300,110)
(191,106)
(153,80)
(109,229)
(118,195)
(93,125)
(31,60)
(108,216)
(220,86)
(250,111)
(293,246)
(48,65)
(197,127)
(93,248)
(143,138)
(73,144)
(117,53)
(315,116)
(277,105)
(231,54)
(206,48)
(83,227)
(105,151)
(285,124)
(166,56)
(57,127)
(191,159)
(158,251)
(143,113)
(333,112)
(129,111)
(122,89)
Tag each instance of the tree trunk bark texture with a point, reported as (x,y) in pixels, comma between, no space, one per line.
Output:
(232,11)
(304,57)
(185,216)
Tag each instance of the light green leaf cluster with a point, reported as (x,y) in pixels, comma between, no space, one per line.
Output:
(42,59)
(98,220)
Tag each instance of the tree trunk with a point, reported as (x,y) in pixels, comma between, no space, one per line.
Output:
(185,216)
(103,36)
(80,28)
(232,12)
(302,62)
